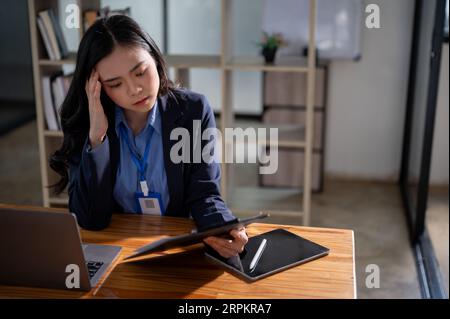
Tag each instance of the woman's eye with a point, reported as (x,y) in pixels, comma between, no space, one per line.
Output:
(115,85)
(141,73)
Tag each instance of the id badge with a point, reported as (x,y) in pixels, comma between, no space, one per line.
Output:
(150,204)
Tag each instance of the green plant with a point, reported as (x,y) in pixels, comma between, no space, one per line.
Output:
(272,41)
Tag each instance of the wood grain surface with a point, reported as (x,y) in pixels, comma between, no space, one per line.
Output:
(187,273)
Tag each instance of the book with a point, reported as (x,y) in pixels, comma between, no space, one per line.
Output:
(45,39)
(90,16)
(49,110)
(59,95)
(59,34)
(51,33)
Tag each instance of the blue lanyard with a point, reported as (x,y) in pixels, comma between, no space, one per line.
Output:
(141,163)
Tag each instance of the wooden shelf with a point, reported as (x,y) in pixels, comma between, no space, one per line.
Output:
(291,137)
(59,200)
(282,64)
(70,60)
(253,199)
(193,61)
(281,143)
(49,133)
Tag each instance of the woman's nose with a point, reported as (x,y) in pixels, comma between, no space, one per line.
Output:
(134,89)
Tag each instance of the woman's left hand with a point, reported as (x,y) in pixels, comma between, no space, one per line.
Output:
(229,247)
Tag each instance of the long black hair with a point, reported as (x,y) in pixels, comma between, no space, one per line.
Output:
(98,42)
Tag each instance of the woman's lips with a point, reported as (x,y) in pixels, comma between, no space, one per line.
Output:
(141,101)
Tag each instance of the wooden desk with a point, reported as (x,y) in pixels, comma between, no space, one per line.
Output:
(187,273)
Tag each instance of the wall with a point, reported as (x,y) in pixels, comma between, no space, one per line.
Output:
(194,28)
(15,52)
(367,100)
(439,158)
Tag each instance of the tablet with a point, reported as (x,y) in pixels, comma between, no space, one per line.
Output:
(269,253)
(194,237)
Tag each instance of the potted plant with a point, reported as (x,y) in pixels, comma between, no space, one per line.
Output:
(270,44)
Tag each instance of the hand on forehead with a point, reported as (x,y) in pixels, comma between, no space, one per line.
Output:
(121,62)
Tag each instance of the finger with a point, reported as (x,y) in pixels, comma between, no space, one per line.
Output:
(97,90)
(89,82)
(87,86)
(95,104)
(91,76)
(240,239)
(238,247)
(92,83)
(221,241)
(210,241)
(228,245)
(223,251)
(240,235)
(238,244)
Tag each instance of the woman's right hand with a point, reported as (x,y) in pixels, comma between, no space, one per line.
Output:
(98,121)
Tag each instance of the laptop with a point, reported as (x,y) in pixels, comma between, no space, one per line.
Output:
(43,249)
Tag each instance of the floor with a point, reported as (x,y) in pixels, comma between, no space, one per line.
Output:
(373,210)
(14,114)
(437,225)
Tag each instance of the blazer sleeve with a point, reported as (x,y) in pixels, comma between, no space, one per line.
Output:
(203,197)
(90,186)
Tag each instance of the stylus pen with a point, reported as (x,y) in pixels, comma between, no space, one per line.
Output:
(258,255)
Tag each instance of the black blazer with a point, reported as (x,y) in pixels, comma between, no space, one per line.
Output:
(194,188)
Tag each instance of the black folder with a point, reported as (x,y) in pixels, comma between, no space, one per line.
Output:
(283,250)
(194,237)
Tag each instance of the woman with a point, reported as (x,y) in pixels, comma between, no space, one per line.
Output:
(117,118)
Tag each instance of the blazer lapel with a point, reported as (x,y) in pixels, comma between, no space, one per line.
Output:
(171,116)
(114,153)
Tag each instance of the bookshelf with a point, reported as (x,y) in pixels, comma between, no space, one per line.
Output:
(285,107)
(226,63)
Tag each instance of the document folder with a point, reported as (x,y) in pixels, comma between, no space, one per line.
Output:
(194,237)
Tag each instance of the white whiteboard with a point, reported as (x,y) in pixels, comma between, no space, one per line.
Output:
(338,26)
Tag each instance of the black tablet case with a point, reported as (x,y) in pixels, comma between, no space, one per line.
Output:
(194,237)
(284,250)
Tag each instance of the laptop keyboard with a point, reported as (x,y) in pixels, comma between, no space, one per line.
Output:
(93,267)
